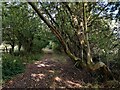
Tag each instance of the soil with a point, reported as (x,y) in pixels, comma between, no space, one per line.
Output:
(53,71)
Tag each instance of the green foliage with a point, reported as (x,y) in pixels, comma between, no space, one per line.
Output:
(103,40)
(29,58)
(11,65)
(38,45)
(21,26)
(57,47)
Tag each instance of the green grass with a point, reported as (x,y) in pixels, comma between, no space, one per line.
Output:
(13,65)
(29,58)
(61,57)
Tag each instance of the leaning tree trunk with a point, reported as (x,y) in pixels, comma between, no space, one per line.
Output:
(85,60)
(90,64)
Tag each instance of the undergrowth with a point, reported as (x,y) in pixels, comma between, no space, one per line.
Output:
(15,64)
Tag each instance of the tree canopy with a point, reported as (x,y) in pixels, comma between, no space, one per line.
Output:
(82,29)
(73,27)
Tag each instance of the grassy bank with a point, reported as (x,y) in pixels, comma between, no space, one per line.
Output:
(15,64)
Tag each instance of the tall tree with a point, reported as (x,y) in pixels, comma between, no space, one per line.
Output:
(71,23)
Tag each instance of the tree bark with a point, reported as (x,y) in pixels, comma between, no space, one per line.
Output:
(19,46)
(91,65)
(84,42)
(55,32)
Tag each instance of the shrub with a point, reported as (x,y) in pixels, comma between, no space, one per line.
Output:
(33,57)
(11,65)
(38,45)
(15,64)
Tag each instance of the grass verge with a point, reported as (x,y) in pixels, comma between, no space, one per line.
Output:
(13,65)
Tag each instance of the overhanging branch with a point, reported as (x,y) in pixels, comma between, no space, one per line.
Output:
(90,22)
(55,32)
(49,15)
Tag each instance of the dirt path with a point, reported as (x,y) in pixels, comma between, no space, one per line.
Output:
(50,72)
(53,71)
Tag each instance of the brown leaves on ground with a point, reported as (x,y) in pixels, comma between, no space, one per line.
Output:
(51,72)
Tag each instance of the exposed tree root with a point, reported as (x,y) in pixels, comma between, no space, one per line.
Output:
(99,66)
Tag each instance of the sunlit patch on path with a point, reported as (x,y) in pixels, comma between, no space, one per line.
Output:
(49,72)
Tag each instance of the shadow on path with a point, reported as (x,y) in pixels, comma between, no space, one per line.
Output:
(50,72)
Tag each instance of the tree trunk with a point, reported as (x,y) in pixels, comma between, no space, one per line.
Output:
(12,49)
(85,61)
(90,64)
(19,46)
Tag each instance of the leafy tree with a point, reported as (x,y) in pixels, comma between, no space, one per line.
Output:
(21,27)
(72,24)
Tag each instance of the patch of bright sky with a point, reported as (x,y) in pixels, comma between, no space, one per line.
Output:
(113,23)
(117,25)
(103,4)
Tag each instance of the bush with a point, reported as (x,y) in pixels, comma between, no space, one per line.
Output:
(38,45)
(11,65)
(15,64)
(33,57)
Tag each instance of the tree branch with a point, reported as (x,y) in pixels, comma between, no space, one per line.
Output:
(49,14)
(90,22)
(55,31)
